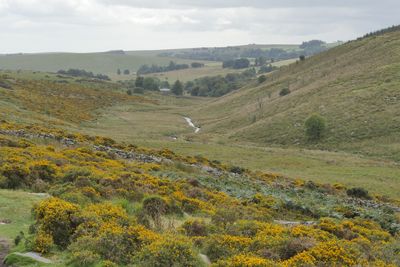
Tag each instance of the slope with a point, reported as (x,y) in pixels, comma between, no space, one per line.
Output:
(354,86)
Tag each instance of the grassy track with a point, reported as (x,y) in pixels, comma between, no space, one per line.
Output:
(15,208)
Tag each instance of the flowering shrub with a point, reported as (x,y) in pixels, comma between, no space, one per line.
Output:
(244,260)
(55,217)
(224,246)
(43,242)
(103,205)
(169,251)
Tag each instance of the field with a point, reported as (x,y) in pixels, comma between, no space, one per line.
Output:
(104,63)
(155,125)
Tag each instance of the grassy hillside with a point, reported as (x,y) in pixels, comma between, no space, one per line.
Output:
(104,63)
(354,86)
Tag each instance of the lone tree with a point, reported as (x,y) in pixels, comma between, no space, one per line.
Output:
(315,127)
(126,72)
(262,78)
(177,89)
(118,71)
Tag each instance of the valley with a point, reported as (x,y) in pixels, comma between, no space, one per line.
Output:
(95,172)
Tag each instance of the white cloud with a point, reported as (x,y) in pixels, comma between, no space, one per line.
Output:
(87,25)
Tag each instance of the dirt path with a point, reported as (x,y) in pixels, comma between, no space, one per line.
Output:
(4,248)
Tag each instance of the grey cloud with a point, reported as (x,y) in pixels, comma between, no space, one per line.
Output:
(137,24)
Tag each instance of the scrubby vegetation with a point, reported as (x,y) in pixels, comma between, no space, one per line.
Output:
(114,203)
(84,73)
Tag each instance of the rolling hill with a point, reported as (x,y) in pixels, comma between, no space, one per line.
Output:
(108,62)
(355,87)
(104,63)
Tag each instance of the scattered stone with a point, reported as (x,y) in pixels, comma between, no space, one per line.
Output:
(205,259)
(4,221)
(294,223)
(35,256)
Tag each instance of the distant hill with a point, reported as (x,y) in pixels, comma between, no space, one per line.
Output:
(108,62)
(105,62)
(355,86)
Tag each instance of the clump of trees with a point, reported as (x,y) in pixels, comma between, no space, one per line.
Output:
(197,65)
(215,86)
(177,89)
(240,63)
(267,69)
(83,73)
(146,69)
(312,47)
(315,126)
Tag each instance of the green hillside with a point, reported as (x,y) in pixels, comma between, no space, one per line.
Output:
(105,63)
(354,86)
(109,62)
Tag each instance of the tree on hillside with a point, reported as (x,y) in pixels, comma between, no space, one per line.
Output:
(262,78)
(150,83)
(240,63)
(139,81)
(118,71)
(126,72)
(165,84)
(177,89)
(260,61)
(315,126)
(197,65)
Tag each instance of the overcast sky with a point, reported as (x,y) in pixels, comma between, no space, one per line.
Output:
(101,25)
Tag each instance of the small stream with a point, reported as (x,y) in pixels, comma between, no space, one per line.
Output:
(191,124)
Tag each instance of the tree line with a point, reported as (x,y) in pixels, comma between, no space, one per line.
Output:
(146,69)
(83,73)
(231,53)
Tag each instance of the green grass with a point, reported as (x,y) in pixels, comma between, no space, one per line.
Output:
(153,125)
(19,260)
(105,63)
(377,176)
(354,86)
(144,121)
(15,206)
